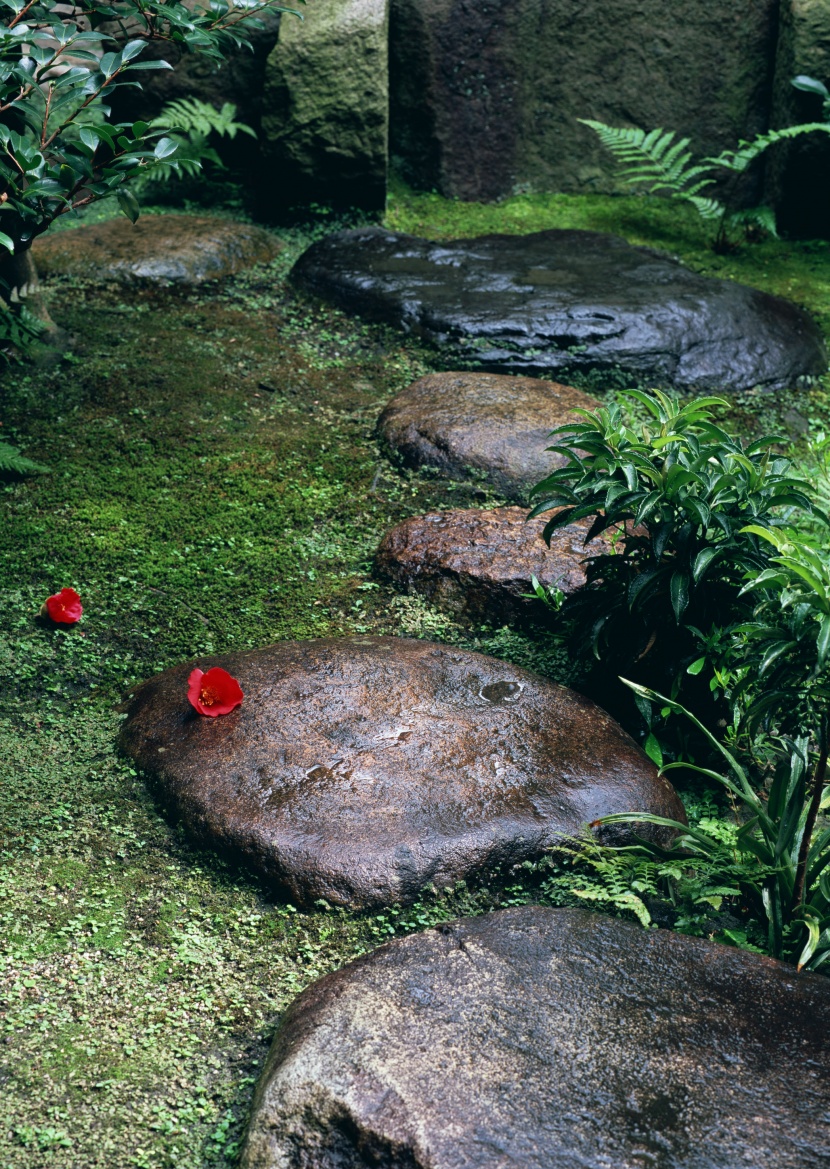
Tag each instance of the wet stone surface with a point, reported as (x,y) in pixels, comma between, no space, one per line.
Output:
(536,1038)
(478,564)
(362,769)
(158,249)
(558,303)
(482,424)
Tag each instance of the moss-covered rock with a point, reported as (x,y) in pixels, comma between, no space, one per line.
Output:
(158,249)
(325,122)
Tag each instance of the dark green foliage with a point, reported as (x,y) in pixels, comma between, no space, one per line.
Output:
(688,504)
(788,639)
(780,871)
(58,148)
(707,560)
(20,330)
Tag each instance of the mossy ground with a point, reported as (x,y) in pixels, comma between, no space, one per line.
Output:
(215,483)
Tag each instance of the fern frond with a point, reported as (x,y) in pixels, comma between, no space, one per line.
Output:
(738,160)
(662,161)
(191,116)
(11,461)
(763,217)
(706,208)
(19,329)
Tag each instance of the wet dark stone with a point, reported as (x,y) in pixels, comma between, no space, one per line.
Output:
(478,564)
(482,424)
(362,769)
(158,249)
(564,302)
(547,1038)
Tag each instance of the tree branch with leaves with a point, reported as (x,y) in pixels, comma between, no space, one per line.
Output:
(59,65)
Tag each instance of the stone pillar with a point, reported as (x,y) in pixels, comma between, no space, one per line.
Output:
(485,94)
(325,125)
(799,172)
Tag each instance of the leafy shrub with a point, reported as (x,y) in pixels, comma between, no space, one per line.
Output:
(709,558)
(774,864)
(690,504)
(59,150)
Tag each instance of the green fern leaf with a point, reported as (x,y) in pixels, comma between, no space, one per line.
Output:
(738,160)
(661,161)
(658,158)
(763,217)
(193,117)
(11,461)
(706,208)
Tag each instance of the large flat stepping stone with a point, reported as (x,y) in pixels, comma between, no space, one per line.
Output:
(485,424)
(478,564)
(158,249)
(563,302)
(361,769)
(549,1039)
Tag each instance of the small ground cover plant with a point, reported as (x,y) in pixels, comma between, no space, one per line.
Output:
(710,566)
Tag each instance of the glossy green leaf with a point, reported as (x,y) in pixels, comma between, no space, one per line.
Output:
(679,590)
(128,204)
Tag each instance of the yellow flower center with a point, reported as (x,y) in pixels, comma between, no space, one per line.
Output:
(207,696)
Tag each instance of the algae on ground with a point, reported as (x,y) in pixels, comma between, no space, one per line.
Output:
(215,483)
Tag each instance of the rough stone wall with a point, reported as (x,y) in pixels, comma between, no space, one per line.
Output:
(325,132)
(503,82)
(799,172)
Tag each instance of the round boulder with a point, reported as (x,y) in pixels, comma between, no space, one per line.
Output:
(557,303)
(362,769)
(482,423)
(157,249)
(549,1039)
(478,564)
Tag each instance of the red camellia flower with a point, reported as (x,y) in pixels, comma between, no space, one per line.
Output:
(214,692)
(64,607)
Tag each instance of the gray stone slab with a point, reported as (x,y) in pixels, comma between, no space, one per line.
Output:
(559,303)
(541,1038)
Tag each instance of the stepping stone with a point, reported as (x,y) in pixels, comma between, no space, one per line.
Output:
(362,769)
(483,424)
(563,302)
(544,1038)
(158,249)
(478,564)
